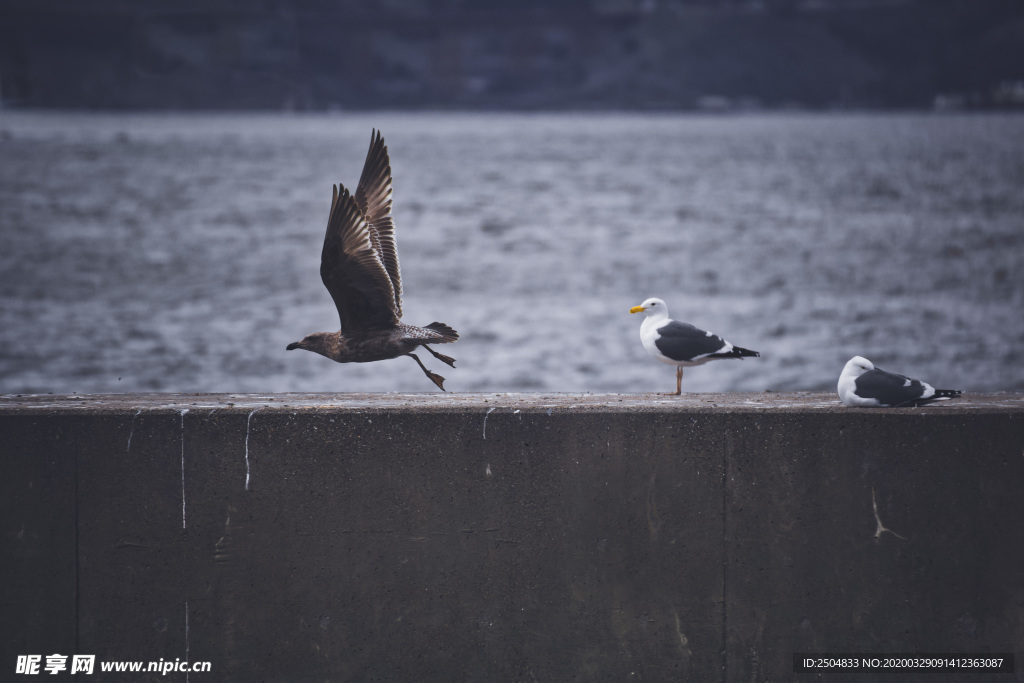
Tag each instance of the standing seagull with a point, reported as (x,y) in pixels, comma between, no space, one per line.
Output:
(681,344)
(359,267)
(862,384)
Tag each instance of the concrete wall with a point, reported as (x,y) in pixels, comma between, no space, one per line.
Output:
(511,538)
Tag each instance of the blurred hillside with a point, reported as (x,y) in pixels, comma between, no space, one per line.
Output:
(523,54)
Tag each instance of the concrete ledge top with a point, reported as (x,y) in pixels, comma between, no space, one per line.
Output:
(12,404)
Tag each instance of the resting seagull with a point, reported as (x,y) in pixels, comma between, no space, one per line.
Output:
(862,384)
(359,267)
(681,344)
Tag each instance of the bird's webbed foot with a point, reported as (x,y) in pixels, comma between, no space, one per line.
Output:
(433,376)
(440,356)
(436,379)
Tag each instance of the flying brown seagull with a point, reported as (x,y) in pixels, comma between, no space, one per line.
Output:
(359,267)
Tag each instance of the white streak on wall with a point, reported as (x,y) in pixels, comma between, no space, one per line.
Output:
(485,421)
(132,431)
(248,422)
(183,411)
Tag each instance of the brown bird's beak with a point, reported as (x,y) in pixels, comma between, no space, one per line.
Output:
(293,345)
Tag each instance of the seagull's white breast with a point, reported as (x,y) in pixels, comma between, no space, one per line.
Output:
(848,392)
(649,334)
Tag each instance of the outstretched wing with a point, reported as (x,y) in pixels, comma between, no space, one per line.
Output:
(352,270)
(373,196)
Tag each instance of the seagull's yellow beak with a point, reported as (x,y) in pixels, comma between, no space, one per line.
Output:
(637,309)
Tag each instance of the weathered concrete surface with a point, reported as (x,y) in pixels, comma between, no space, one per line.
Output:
(508,536)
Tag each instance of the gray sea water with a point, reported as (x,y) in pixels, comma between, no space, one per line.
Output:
(180,252)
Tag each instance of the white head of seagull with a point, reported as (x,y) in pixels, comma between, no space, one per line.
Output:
(681,344)
(857,366)
(652,308)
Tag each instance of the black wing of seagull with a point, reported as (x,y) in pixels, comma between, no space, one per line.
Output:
(684,342)
(373,196)
(889,388)
(352,269)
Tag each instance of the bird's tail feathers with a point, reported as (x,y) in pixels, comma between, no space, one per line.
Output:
(447,333)
(737,352)
(946,393)
(939,395)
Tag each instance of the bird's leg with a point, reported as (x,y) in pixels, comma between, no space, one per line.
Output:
(440,356)
(679,382)
(434,377)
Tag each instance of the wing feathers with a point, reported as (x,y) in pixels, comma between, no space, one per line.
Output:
(684,342)
(889,388)
(352,271)
(373,196)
